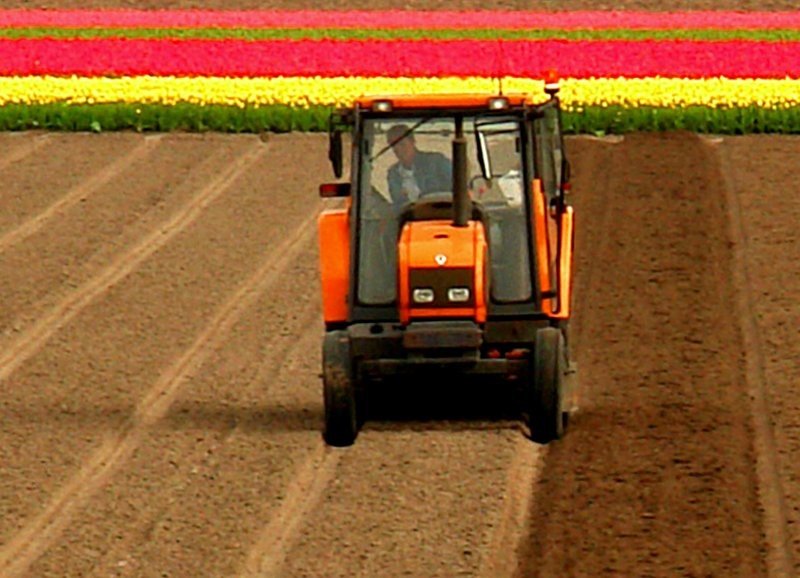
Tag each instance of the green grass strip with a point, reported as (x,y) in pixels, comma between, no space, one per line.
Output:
(398,34)
(278,118)
(699,119)
(162,118)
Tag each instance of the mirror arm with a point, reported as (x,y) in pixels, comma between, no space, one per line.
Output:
(483,155)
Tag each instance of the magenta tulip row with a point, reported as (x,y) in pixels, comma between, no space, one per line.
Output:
(723,20)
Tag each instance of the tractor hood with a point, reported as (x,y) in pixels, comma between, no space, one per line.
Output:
(442,271)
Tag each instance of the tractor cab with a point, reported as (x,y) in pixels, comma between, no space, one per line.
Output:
(451,254)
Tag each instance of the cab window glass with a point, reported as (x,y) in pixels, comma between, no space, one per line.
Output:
(409,161)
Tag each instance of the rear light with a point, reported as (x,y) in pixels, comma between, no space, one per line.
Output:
(458,294)
(330,190)
(423,295)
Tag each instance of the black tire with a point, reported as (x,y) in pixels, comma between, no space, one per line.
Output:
(341,411)
(545,402)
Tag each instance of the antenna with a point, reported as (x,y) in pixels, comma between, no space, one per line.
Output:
(500,69)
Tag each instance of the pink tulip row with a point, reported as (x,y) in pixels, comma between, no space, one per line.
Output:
(327,58)
(399,19)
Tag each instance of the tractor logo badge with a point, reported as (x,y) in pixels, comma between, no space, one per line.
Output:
(440,259)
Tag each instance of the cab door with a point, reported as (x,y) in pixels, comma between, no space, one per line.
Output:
(552,216)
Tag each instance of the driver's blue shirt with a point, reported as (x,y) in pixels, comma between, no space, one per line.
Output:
(432,172)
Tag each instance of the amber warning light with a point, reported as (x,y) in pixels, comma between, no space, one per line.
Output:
(551,81)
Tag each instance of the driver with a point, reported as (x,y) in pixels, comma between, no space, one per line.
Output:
(416,173)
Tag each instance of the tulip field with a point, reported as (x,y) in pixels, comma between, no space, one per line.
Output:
(161,405)
(250,71)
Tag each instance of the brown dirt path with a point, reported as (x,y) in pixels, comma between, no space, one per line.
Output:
(758,171)
(657,477)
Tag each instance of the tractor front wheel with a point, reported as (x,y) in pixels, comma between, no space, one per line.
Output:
(545,391)
(341,413)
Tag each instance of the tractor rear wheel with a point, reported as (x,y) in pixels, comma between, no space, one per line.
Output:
(545,394)
(341,412)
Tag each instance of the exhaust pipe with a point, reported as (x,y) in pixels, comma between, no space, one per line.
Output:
(462,204)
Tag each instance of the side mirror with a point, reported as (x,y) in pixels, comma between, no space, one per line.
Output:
(331,190)
(565,175)
(335,152)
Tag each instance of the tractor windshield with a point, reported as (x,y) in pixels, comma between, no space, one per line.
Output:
(408,161)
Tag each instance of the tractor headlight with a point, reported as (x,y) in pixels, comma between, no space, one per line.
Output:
(458,294)
(424,295)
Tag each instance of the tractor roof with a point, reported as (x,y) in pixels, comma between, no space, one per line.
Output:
(443,101)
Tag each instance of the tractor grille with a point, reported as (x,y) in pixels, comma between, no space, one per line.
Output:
(440,281)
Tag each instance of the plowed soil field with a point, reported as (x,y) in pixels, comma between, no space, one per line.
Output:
(160,400)
(161,406)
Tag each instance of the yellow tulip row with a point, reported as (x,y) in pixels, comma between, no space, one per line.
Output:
(310,91)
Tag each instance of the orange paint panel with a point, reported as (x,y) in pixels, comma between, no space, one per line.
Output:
(541,230)
(334,253)
(432,238)
(403,252)
(464,247)
(565,265)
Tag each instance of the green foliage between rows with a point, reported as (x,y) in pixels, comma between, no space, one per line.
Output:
(162,118)
(277,118)
(710,34)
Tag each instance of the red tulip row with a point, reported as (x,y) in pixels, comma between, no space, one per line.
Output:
(328,58)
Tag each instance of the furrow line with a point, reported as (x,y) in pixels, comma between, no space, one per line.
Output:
(50,322)
(511,526)
(79,192)
(277,350)
(41,532)
(266,559)
(30,147)
(780,558)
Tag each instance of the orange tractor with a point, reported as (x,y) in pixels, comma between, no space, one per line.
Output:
(451,254)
